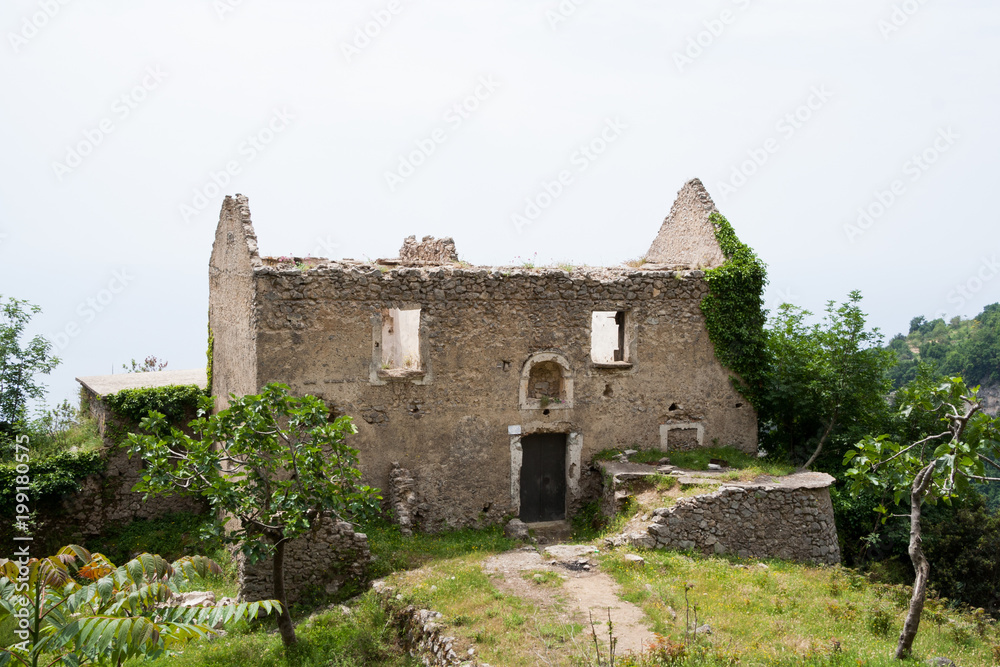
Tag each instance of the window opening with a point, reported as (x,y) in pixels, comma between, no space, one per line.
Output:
(607,337)
(401,339)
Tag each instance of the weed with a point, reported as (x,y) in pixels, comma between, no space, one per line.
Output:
(543,577)
(878,620)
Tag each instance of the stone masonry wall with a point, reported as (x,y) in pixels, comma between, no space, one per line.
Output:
(320,562)
(318,331)
(429,250)
(753,521)
(106,499)
(231,303)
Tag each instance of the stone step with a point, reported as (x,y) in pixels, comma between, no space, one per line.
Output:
(551,532)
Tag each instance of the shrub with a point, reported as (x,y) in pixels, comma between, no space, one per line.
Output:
(878,620)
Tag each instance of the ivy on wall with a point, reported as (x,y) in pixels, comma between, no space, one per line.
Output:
(211,355)
(176,402)
(51,477)
(734,311)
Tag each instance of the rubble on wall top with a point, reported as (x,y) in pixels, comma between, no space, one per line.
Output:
(391,269)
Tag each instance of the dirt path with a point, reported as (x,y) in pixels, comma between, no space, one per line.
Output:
(585,590)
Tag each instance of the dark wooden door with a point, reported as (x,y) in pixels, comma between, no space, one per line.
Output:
(543,477)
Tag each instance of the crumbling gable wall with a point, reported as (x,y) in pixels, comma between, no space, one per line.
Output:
(687,236)
(232,303)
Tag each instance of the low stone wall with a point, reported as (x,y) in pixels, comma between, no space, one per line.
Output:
(319,563)
(791,518)
(421,632)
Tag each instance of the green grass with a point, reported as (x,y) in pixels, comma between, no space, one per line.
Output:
(543,578)
(362,638)
(790,614)
(81,437)
(393,552)
(502,628)
(698,459)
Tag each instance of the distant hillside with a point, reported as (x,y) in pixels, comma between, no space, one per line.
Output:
(970,348)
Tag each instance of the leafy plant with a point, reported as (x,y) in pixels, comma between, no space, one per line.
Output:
(20,363)
(273,461)
(941,465)
(175,402)
(734,311)
(79,608)
(827,380)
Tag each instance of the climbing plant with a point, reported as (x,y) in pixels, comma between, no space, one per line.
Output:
(734,311)
(211,354)
(176,402)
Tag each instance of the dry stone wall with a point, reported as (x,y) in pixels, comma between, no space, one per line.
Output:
(792,520)
(319,563)
(422,632)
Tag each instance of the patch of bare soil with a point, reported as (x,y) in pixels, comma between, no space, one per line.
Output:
(585,592)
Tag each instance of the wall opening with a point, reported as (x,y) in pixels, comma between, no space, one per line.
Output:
(401,339)
(607,337)
(545,383)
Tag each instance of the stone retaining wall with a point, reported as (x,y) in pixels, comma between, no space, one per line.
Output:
(319,563)
(790,519)
(421,632)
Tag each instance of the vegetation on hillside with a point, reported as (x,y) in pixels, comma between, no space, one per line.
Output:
(969,348)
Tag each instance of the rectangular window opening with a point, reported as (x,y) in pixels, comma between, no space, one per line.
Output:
(401,339)
(607,337)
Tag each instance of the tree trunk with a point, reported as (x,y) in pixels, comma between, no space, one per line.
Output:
(822,440)
(920,564)
(285,626)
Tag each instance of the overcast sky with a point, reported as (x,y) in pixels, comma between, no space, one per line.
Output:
(853,143)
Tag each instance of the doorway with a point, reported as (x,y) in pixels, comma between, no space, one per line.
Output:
(543,477)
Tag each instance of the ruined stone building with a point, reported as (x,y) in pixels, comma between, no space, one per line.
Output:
(491,387)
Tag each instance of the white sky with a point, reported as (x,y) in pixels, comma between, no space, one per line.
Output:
(227,66)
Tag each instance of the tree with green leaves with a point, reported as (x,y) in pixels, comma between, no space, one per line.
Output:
(827,380)
(78,608)
(20,363)
(957,444)
(274,462)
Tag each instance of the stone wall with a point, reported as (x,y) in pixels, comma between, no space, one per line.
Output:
(106,499)
(319,332)
(790,519)
(319,563)
(231,303)
(687,237)
(421,632)
(429,250)
(456,422)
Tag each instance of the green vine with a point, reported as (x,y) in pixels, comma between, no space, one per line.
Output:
(734,311)
(211,356)
(52,477)
(176,402)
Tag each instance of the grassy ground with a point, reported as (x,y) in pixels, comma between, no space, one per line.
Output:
(503,629)
(362,638)
(779,613)
(751,466)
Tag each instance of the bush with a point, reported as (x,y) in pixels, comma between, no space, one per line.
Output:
(176,402)
(878,620)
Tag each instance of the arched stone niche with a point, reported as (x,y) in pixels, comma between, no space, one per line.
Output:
(546,383)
